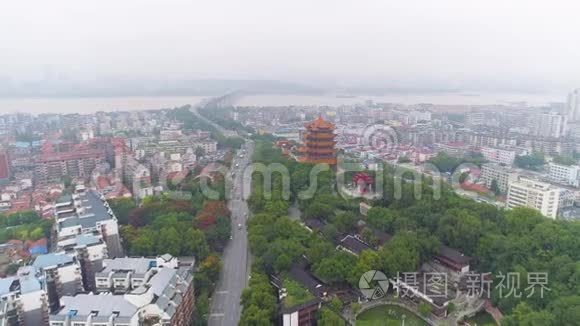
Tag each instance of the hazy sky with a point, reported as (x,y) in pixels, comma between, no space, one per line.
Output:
(491,42)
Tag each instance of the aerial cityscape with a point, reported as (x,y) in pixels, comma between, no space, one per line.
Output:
(220,164)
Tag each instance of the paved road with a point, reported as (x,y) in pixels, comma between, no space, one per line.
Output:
(225,305)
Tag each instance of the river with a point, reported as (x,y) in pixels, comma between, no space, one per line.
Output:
(88,105)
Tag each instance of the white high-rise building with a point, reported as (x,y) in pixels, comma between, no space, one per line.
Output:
(501,174)
(574,113)
(500,155)
(574,106)
(549,125)
(534,194)
(565,174)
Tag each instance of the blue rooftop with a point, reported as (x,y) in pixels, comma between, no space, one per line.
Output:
(87,239)
(5,284)
(29,284)
(51,260)
(21,144)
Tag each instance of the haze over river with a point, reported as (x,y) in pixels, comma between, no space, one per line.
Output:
(93,104)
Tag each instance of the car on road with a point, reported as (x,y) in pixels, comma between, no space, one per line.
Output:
(239,226)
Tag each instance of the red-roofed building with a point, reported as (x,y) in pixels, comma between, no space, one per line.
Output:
(52,167)
(22,203)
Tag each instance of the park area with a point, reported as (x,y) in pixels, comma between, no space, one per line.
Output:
(388,315)
(482,319)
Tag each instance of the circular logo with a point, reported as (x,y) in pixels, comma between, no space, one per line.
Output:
(380,137)
(373,284)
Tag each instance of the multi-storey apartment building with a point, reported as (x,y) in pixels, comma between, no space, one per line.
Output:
(502,174)
(501,155)
(60,274)
(208,145)
(23,301)
(549,124)
(121,275)
(87,213)
(534,194)
(78,164)
(565,174)
(165,298)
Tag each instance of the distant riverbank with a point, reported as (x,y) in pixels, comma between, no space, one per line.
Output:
(87,105)
(434,98)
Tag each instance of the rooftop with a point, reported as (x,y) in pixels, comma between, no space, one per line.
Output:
(100,306)
(8,285)
(138,265)
(353,244)
(453,255)
(320,123)
(87,239)
(94,211)
(52,259)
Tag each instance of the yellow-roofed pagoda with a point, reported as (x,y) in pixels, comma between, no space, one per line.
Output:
(319,142)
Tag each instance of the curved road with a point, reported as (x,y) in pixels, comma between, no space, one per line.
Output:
(225,303)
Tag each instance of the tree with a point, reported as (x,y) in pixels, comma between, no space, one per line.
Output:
(531,162)
(404,159)
(566,310)
(425,309)
(195,244)
(345,221)
(460,228)
(144,244)
(381,218)
(199,152)
(495,187)
(258,301)
(444,162)
(369,237)
(318,250)
(36,233)
(329,318)
(330,232)
(122,208)
(401,254)
(283,263)
(319,210)
(524,315)
(336,304)
(211,266)
(276,207)
(367,261)
(201,309)
(355,307)
(169,241)
(336,268)
(565,160)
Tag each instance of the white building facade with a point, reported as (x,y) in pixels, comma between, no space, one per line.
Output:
(534,194)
